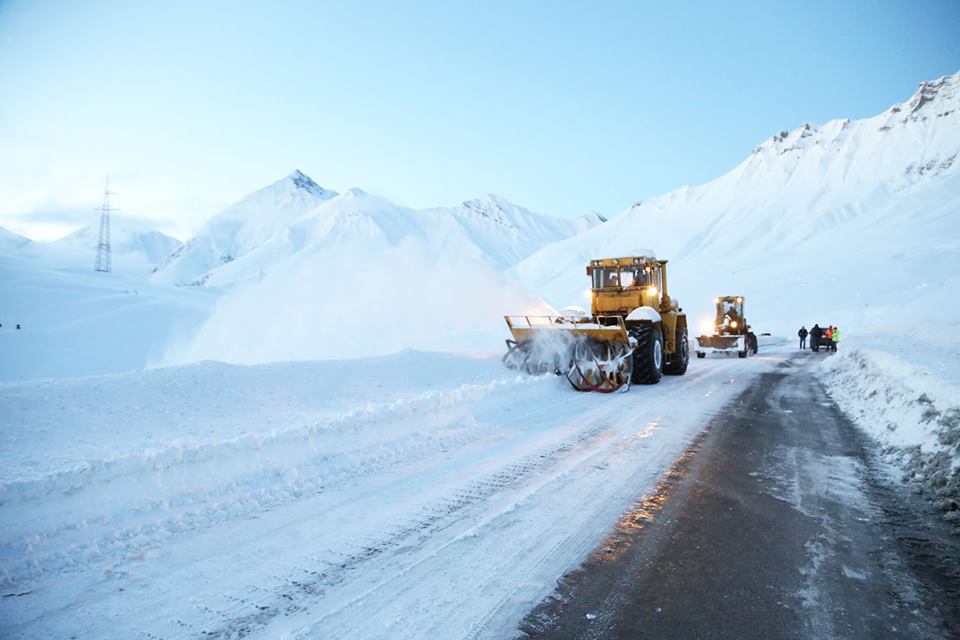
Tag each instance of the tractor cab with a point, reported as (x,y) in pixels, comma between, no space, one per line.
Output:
(730,319)
(621,285)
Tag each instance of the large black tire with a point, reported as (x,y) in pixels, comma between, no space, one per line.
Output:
(648,355)
(678,364)
(754,344)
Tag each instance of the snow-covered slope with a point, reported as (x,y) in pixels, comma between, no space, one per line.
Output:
(136,247)
(295,215)
(131,241)
(844,222)
(508,233)
(241,228)
(77,322)
(357,276)
(11,242)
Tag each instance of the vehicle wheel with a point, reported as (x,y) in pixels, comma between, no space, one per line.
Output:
(701,354)
(754,345)
(743,354)
(648,355)
(678,365)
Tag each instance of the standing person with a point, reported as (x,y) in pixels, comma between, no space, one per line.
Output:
(803,337)
(835,337)
(815,334)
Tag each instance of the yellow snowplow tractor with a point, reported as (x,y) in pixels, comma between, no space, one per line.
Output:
(731,333)
(635,332)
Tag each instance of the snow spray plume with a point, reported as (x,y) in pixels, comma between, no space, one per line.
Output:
(332,305)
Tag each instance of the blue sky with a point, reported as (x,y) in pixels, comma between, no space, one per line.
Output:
(561,107)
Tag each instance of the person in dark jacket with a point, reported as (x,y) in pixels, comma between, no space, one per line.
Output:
(815,334)
(803,337)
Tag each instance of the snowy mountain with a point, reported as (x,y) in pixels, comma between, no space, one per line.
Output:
(130,239)
(241,228)
(294,215)
(810,212)
(509,233)
(135,247)
(358,275)
(11,242)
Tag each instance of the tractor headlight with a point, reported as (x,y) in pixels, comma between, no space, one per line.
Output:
(652,290)
(733,324)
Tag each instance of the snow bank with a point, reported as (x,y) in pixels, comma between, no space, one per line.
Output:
(914,415)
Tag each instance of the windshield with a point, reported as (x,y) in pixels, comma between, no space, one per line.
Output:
(621,277)
(729,311)
(606,278)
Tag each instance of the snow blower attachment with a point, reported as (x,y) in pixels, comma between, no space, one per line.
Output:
(594,354)
(636,333)
(731,332)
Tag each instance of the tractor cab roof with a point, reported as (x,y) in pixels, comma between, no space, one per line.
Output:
(637,258)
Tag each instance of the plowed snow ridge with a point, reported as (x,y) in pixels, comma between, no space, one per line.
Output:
(380,521)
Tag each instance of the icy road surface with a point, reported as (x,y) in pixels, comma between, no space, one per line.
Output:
(779,522)
(413,496)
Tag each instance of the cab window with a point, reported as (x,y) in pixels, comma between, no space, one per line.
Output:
(606,278)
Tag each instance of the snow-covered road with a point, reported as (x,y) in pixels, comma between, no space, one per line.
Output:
(436,497)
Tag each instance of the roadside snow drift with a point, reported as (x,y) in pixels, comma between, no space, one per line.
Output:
(914,415)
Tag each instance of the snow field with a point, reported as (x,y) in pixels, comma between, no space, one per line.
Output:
(475,491)
(81,323)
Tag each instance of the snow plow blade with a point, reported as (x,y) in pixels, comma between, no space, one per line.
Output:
(595,354)
(721,343)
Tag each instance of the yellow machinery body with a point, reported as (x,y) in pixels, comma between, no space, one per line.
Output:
(635,330)
(731,331)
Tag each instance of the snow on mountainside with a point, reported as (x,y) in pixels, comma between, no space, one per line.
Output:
(295,215)
(508,233)
(360,275)
(837,223)
(129,237)
(241,228)
(135,247)
(11,242)
(357,276)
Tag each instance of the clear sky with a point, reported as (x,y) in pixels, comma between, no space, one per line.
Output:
(563,107)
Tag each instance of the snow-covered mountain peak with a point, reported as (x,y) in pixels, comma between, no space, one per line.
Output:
(302,181)
(242,227)
(785,141)
(355,192)
(594,218)
(799,190)
(933,96)
(492,207)
(296,190)
(934,103)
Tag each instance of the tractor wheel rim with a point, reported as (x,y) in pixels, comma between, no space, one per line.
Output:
(657,354)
